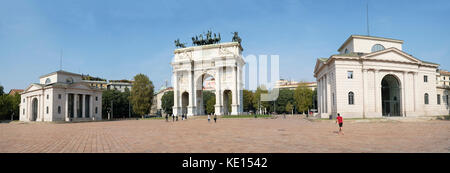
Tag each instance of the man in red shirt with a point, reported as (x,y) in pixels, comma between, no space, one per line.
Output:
(340,120)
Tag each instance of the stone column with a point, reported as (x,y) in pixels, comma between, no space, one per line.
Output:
(218,106)
(234,94)
(91,106)
(75,106)
(377,90)
(328,88)
(66,109)
(415,86)
(403,102)
(191,107)
(42,110)
(319,95)
(365,86)
(83,106)
(28,108)
(176,94)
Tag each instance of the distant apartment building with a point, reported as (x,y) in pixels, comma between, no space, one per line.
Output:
(120,85)
(157,101)
(95,82)
(443,79)
(292,85)
(15,91)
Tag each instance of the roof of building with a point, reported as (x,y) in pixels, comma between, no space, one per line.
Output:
(444,72)
(369,37)
(14,91)
(60,72)
(323,59)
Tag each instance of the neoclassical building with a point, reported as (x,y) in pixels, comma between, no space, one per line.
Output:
(192,66)
(61,96)
(374,77)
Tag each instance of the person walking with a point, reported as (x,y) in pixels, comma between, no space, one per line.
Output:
(173,118)
(209,118)
(340,121)
(167,117)
(177,117)
(215,118)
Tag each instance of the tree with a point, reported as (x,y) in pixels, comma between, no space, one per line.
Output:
(210,105)
(1,90)
(289,108)
(120,100)
(207,96)
(285,97)
(141,94)
(303,98)
(248,101)
(9,105)
(257,99)
(167,102)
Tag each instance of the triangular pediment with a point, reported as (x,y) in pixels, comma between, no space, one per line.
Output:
(319,64)
(393,55)
(32,87)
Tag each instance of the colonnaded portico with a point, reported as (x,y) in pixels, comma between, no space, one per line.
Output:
(193,65)
(373,77)
(61,96)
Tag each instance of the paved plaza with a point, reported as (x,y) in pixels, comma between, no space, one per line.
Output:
(293,135)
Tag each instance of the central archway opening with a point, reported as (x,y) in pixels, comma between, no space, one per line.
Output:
(227,102)
(390,96)
(206,97)
(34,110)
(184,102)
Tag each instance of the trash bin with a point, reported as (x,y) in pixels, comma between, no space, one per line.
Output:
(331,117)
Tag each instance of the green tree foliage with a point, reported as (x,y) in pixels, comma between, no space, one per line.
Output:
(141,94)
(248,101)
(285,97)
(257,97)
(9,105)
(303,98)
(120,103)
(210,109)
(207,96)
(167,102)
(289,108)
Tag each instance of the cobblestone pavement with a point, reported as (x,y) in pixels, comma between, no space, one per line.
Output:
(295,135)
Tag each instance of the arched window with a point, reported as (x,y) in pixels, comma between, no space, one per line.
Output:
(351,98)
(426,98)
(69,80)
(346,51)
(377,47)
(47,81)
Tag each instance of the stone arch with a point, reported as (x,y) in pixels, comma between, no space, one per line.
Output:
(227,101)
(184,102)
(201,93)
(391,95)
(34,109)
(201,62)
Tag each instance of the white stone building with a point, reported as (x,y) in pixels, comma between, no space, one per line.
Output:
(373,77)
(120,85)
(193,65)
(61,96)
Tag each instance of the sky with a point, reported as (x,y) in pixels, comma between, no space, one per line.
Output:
(117,39)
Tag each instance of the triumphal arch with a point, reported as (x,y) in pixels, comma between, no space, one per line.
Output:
(191,66)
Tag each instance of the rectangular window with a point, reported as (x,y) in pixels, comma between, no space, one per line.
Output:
(59,96)
(425,78)
(350,74)
(438,99)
